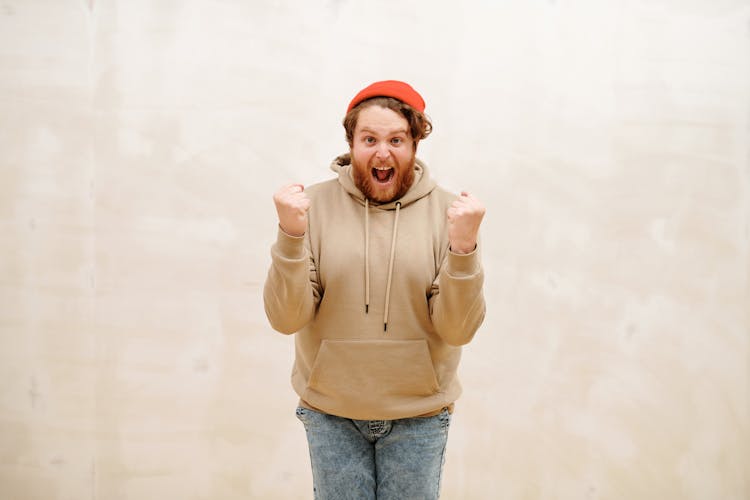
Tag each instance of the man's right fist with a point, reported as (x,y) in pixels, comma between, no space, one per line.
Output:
(292,205)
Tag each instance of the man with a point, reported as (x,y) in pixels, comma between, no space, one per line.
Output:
(378,273)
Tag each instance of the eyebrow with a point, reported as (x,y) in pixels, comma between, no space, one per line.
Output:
(395,132)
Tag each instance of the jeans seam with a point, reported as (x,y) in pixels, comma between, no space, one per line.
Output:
(440,471)
(300,412)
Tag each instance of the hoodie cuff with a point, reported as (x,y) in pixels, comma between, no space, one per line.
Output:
(290,247)
(464,265)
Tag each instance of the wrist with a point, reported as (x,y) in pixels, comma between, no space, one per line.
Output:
(463,248)
(293,232)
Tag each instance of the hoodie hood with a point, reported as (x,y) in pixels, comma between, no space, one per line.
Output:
(422,186)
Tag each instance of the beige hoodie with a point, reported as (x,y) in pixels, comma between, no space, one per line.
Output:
(379,304)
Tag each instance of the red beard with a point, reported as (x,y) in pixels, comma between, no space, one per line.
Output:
(403,178)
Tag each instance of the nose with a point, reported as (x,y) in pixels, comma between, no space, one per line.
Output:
(383,151)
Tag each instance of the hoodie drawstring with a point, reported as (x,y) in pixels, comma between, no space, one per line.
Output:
(367,256)
(391,259)
(390,268)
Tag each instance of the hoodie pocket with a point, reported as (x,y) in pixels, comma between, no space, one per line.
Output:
(367,377)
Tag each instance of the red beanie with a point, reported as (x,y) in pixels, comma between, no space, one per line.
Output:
(390,88)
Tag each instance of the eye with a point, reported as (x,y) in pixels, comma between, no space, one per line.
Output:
(369,140)
(396,141)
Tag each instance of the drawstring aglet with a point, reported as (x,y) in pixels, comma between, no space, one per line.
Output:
(367,308)
(385,327)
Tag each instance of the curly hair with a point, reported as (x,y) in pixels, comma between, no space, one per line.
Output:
(420,125)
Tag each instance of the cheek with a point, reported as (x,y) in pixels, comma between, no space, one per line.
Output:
(360,156)
(404,158)
(360,164)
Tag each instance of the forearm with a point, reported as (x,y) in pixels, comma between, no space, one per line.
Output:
(288,293)
(458,307)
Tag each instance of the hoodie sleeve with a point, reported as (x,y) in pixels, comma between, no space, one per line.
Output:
(457,304)
(291,292)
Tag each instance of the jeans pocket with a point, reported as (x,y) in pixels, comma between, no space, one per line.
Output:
(302,414)
(445,418)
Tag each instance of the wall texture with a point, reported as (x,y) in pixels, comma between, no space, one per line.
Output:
(140,144)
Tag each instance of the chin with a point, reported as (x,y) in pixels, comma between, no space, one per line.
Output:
(386,197)
(393,192)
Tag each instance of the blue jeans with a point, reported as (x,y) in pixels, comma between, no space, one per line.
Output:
(368,459)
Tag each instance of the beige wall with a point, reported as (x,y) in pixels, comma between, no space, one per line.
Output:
(140,143)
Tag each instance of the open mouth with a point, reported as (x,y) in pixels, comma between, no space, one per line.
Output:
(383,174)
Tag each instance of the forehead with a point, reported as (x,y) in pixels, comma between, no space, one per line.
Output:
(381,120)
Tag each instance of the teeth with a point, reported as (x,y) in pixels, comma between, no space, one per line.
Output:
(382,168)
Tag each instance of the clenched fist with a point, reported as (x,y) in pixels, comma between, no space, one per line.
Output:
(292,205)
(464,217)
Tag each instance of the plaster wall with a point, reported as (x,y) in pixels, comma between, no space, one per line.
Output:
(140,144)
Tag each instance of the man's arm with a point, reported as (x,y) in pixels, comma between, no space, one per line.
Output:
(291,291)
(457,304)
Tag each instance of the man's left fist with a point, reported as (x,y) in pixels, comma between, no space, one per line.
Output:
(464,217)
